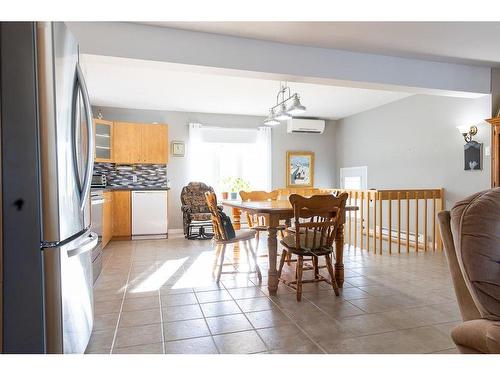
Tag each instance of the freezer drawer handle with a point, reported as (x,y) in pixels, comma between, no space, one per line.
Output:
(91,242)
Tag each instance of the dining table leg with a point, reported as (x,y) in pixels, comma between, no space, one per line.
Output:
(339,255)
(272,246)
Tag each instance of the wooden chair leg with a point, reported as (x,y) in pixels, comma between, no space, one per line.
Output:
(300,264)
(282,262)
(254,255)
(315,265)
(332,276)
(216,257)
(222,256)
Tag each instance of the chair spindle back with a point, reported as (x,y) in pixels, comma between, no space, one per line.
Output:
(323,214)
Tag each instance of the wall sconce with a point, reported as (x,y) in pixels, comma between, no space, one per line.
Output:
(473,151)
(467,132)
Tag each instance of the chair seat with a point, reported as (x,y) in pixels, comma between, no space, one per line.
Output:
(481,335)
(264,228)
(241,235)
(201,216)
(305,248)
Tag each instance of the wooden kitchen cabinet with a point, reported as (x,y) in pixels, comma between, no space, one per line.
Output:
(122,214)
(495,151)
(107,218)
(127,143)
(154,140)
(136,143)
(103,139)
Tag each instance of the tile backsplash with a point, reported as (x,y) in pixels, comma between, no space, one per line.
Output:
(147,175)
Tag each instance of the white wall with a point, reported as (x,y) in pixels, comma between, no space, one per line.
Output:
(177,169)
(414,143)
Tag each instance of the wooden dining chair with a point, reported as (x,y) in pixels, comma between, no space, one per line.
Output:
(256,222)
(316,221)
(243,237)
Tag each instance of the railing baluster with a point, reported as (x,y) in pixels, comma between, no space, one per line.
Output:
(399,222)
(368,221)
(380,206)
(356,221)
(407,221)
(425,221)
(361,202)
(441,208)
(389,222)
(433,220)
(416,221)
(375,223)
(350,220)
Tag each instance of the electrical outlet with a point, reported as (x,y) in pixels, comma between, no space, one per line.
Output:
(134,178)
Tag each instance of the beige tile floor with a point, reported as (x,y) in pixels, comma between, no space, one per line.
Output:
(158,296)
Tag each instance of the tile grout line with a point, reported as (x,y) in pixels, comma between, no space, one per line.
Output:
(246,317)
(161,318)
(205,320)
(293,321)
(121,309)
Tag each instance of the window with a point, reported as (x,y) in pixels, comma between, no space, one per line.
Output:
(354,178)
(218,153)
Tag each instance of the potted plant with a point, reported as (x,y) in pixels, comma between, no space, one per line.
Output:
(238,185)
(225,185)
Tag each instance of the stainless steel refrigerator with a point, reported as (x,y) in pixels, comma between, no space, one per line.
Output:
(61,168)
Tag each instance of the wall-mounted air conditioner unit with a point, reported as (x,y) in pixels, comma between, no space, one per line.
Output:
(307,126)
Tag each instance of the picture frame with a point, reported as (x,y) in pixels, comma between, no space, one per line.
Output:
(299,169)
(178,148)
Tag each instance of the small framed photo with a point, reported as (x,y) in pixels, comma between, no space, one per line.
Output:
(178,148)
(299,169)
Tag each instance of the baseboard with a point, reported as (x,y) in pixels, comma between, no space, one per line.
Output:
(176,231)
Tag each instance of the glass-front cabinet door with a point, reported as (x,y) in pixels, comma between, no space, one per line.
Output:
(103,140)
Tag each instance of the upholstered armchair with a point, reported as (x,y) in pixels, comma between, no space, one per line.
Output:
(471,237)
(195,211)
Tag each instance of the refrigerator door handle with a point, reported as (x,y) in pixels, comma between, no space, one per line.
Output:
(90,137)
(88,245)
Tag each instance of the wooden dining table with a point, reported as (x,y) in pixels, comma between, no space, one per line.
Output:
(274,212)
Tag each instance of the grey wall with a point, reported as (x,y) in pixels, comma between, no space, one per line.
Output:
(177,169)
(414,143)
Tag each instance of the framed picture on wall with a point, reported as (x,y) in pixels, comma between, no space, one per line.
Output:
(299,169)
(178,148)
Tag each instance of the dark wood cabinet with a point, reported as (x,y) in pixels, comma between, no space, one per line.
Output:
(495,151)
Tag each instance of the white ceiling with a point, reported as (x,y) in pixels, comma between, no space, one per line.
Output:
(466,42)
(139,84)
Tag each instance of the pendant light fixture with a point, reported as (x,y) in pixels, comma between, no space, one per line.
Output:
(280,112)
(271,119)
(283,113)
(296,108)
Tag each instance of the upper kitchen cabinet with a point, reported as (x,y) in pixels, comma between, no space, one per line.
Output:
(154,140)
(140,143)
(127,143)
(103,131)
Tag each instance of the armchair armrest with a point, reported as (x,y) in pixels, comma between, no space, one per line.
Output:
(186,208)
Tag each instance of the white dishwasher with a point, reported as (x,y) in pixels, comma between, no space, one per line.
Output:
(149,214)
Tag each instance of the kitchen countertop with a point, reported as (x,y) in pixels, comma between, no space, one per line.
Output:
(112,188)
